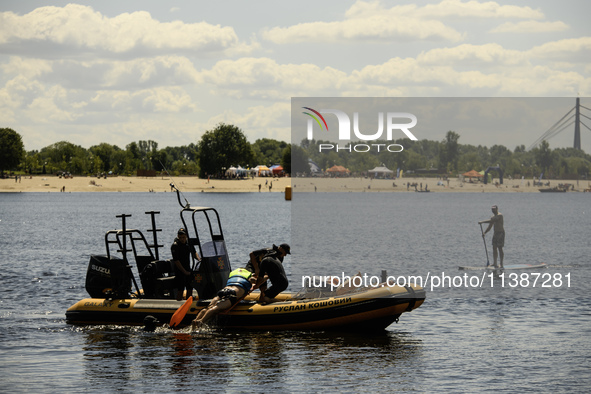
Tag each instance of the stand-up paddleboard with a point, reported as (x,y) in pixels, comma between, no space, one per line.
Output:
(180,313)
(506,267)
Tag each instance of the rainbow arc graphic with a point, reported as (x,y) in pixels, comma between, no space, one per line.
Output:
(316,117)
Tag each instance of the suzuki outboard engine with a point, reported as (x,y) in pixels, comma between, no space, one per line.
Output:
(107,278)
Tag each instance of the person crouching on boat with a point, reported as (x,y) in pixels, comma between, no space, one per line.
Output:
(268,264)
(181,255)
(237,287)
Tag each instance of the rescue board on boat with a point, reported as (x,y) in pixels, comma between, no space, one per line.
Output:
(506,267)
(179,315)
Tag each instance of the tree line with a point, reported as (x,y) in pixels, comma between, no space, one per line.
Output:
(218,149)
(226,145)
(452,158)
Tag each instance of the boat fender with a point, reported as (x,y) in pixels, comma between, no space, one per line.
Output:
(413,300)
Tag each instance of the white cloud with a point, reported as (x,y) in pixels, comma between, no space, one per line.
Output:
(99,73)
(479,55)
(489,68)
(259,121)
(477,9)
(260,77)
(375,27)
(29,68)
(156,100)
(530,27)
(572,49)
(52,106)
(407,73)
(155,71)
(374,21)
(20,91)
(78,26)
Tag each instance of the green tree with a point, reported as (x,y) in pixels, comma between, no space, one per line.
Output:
(543,156)
(449,154)
(499,155)
(577,165)
(361,162)
(64,156)
(295,160)
(31,163)
(184,167)
(161,160)
(148,154)
(12,150)
(107,155)
(415,161)
(268,151)
(118,161)
(224,146)
(133,158)
(469,161)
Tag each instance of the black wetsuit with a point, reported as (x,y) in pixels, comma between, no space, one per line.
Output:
(259,255)
(271,266)
(182,252)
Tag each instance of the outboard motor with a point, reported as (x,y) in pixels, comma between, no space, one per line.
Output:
(107,277)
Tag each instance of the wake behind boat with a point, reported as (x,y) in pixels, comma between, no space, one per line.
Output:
(112,299)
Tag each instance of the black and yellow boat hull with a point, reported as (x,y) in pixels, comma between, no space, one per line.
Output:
(374,308)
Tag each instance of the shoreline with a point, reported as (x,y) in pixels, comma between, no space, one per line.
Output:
(43,184)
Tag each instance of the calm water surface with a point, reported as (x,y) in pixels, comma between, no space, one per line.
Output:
(489,338)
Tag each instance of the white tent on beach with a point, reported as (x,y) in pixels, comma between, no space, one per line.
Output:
(381,172)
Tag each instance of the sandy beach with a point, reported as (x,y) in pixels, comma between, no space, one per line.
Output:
(54,184)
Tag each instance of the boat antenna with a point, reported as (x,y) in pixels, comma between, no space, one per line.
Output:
(175,187)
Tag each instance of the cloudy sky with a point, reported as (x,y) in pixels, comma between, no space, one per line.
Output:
(123,71)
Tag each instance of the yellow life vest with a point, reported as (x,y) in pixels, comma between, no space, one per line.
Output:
(244,273)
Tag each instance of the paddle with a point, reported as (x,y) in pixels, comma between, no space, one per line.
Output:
(180,313)
(486,250)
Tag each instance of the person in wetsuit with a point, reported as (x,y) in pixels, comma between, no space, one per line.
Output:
(268,264)
(238,285)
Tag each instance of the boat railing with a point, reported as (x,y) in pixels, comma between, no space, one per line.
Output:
(205,233)
(127,240)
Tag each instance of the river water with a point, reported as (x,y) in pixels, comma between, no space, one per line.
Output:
(504,334)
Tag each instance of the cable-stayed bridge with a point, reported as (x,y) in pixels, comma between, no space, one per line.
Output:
(571,117)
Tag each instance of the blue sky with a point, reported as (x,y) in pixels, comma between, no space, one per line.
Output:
(118,72)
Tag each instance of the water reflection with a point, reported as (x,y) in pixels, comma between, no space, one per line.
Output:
(106,356)
(225,360)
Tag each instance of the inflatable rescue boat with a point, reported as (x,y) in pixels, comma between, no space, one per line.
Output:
(117,299)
